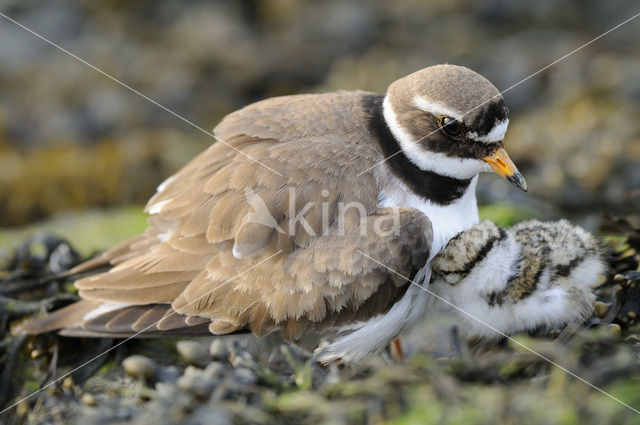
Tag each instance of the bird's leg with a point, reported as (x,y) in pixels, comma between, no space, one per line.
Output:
(395,349)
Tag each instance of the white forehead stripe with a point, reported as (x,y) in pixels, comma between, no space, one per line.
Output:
(435,108)
(495,135)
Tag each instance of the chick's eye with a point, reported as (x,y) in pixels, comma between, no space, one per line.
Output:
(451,126)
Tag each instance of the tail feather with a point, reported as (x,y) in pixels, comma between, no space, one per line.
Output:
(100,319)
(63,318)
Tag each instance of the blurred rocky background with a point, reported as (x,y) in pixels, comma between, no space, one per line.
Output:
(70,138)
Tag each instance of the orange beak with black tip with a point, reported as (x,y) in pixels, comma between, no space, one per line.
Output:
(502,164)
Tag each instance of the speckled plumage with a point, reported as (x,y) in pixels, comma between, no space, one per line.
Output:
(534,275)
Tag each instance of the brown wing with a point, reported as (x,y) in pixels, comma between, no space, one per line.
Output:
(311,147)
(330,282)
(327,284)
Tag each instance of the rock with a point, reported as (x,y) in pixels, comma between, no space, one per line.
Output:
(89,400)
(615,331)
(218,349)
(166,391)
(193,352)
(196,382)
(210,416)
(168,374)
(23,408)
(601,309)
(215,370)
(632,339)
(67,382)
(244,376)
(140,367)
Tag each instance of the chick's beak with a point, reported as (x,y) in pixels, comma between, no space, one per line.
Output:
(502,164)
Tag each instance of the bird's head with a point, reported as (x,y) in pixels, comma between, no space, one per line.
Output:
(452,121)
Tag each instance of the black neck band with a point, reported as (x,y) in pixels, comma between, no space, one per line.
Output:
(434,187)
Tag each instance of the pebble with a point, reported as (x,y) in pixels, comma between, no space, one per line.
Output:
(195,382)
(618,278)
(23,409)
(615,331)
(67,382)
(634,339)
(601,309)
(168,374)
(139,367)
(166,390)
(239,358)
(218,349)
(245,376)
(211,416)
(193,352)
(215,370)
(89,400)
(54,390)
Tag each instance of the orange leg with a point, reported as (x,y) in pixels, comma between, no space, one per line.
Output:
(396,349)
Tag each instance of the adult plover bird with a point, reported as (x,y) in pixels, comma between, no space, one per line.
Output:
(271,238)
(534,276)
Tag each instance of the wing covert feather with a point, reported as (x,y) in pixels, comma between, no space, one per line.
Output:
(215,220)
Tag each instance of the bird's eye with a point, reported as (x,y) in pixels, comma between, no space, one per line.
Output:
(451,126)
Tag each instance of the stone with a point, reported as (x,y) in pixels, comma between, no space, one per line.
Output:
(615,331)
(89,400)
(139,367)
(194,353)
(601,309)
(218,349)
